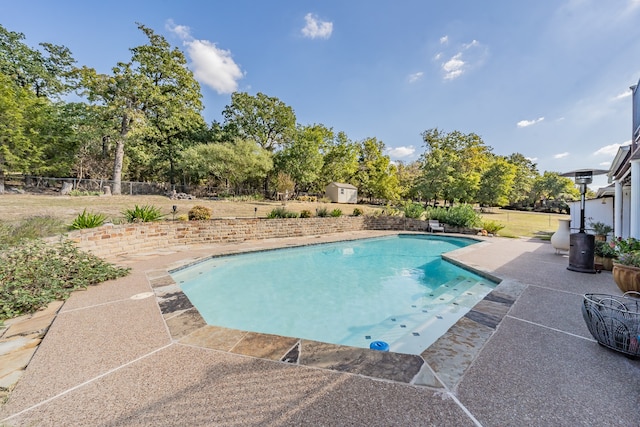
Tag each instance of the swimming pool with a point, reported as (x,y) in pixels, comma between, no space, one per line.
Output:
(394,289)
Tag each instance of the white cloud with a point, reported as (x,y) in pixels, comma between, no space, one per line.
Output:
(453,68)
(526,123)
(473,43)
(415,77)
(605,164)
(531,159)
(468,56)
(400,152)
(560,155)
(212,66)
(623,95)
(608,150)
(315,28)
(444,39)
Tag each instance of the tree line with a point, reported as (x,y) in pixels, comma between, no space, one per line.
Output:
(143,122)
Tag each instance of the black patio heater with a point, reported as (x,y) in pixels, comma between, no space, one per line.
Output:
(581,244)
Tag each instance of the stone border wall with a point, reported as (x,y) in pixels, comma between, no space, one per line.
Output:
(110,240)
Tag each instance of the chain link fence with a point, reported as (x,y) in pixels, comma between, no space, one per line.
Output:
(41,184)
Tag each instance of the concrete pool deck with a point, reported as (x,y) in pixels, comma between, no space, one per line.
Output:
(112,358)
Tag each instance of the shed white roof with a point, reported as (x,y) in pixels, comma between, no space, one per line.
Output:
(343,185)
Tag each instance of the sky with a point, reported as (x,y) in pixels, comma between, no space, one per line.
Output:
(548,78)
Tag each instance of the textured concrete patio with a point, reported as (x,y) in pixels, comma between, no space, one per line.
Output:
(113,356)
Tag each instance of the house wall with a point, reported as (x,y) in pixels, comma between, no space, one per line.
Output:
(594,211)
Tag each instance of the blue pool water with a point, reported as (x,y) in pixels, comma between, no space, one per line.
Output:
(395,289)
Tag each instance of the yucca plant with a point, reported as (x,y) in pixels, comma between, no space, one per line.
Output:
(281,213)
(88,220)
(322,212)
(336,213)
(147,213)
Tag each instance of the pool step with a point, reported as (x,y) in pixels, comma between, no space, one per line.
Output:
(424,322)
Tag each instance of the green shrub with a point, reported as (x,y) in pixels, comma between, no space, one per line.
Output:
(492,227)
(322,212)
(84,193)
(413,210)
(391,210)
(357,212)
(199,213)
(281,213)
(33,274)
(604,249)
(336,213)
(305,214)
(147,213)
(88,220)
(457,216)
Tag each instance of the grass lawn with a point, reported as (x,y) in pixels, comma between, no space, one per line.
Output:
(524,224)
(16,207)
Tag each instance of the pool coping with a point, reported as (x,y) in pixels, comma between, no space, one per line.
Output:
(440,366)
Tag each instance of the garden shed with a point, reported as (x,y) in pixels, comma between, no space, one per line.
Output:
(341,193)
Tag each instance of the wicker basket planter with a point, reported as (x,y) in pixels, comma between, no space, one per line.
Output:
(626,277)
(614,321)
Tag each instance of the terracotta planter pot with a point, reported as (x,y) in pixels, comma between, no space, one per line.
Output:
(606,263)
(626,277)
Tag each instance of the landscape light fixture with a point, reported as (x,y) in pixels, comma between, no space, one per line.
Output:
(581,244)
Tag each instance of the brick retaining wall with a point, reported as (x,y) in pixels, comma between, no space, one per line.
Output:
(118,239)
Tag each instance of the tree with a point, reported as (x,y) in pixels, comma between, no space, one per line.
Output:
(231,163)
(152,100)
(339,162)
(497,183)
(552,186)
(46,74)
(526,173)
(263,119)
(17,149)
(171,97)
(452,165)
(30,125)
(301,159)
(376,176)
(118,95)
(408,178)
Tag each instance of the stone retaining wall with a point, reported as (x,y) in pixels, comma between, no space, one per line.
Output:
(110,240)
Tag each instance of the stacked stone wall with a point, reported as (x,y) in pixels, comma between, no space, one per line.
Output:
(110,240)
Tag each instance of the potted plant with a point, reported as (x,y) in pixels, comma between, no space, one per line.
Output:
(626,268)
(605,254)
(601,230)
